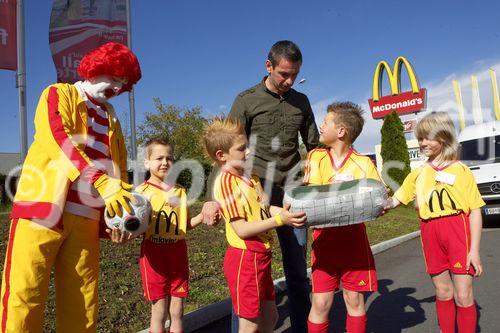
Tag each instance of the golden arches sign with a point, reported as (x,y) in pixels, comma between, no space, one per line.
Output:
(401,102)
(394,77)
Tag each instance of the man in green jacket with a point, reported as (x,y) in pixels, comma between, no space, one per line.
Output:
(273,114)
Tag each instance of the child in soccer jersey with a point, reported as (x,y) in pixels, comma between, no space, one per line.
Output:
(448,203)
(249,220)
(163,261)
(340,254)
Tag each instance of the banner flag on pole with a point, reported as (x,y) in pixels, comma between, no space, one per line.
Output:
(8,35)
(78,26)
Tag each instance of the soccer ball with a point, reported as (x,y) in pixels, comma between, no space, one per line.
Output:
(136,223)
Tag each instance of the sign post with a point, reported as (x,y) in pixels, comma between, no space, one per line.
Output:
(21,80)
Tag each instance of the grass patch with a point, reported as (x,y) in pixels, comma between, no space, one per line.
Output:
(122,307)
(5,207)
(397,222)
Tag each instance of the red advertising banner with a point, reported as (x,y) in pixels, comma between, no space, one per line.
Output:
(405,102)
(8,35)
(78,26)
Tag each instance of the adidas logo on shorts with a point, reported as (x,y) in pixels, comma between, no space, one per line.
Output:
(362,283)
(458,265)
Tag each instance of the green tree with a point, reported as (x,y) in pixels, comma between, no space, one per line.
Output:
(182,127)
(394,148)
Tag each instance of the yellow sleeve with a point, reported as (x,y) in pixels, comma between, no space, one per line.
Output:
(183,211)
(229,198)
(372,172)
(56,131)
(406,192)
(142,189)
(121,146)
(474,199)
(139,188)
(312,171)
(152,195)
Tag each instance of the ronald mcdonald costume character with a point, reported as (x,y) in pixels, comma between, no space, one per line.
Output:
(75,166)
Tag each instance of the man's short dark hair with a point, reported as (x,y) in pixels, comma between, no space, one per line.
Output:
(284,49)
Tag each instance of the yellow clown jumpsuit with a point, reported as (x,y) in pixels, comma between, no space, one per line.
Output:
(42,235)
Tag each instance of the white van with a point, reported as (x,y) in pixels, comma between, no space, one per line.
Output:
(480,150)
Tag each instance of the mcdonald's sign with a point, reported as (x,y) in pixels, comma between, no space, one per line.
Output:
(401,102)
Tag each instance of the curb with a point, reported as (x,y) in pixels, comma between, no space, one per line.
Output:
(385,245)
(197,319)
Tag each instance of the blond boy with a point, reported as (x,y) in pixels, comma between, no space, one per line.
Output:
(164,260)
(249,220)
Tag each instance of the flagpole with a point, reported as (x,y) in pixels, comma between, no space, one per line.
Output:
(21,79)
(131,102)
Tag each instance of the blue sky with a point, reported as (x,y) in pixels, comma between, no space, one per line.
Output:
(205,52)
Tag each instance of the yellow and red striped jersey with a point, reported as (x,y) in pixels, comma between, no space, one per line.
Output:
(83,199)
(321,168)
(169,214)
(441,191)
(242,198)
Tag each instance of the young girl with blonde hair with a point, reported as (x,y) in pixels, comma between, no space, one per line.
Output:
(448,203)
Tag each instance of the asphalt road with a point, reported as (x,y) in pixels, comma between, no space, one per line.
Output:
(405,300)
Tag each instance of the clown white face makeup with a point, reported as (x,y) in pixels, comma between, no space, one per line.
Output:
(103,87)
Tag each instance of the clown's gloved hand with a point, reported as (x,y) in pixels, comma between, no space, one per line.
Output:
(115,193)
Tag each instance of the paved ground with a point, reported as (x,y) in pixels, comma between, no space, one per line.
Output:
(405,300)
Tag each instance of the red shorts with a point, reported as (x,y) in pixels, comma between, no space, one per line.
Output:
(164,270)
(342,254)
(248,276)
(446,244)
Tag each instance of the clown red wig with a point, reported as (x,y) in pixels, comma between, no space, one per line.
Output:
(111,59)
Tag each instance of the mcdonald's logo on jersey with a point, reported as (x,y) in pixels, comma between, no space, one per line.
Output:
(452,207)
(169,219)
(402,102)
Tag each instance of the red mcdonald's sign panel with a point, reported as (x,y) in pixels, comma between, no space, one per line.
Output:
(78,26)
(8,35)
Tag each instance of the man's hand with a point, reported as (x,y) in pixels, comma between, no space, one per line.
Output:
(119,237)
(296,220)
(210,213)
(115,193)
